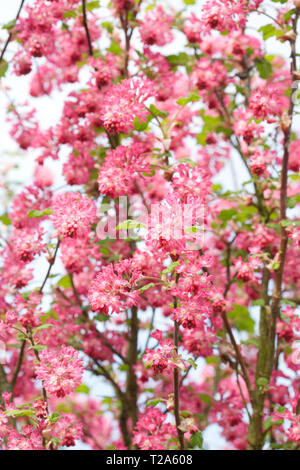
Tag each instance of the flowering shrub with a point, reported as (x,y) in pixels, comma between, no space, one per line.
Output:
(134,258)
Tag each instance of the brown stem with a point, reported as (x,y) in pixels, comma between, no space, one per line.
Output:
(18,366)
(132,357)
(36,353)
(3,383)
(51,263)
(269,314)
(176,392)
(10,34)
(85,24)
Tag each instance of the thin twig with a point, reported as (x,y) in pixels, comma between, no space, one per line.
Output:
(18,366)
(85,24)
(51,263)
(10,34)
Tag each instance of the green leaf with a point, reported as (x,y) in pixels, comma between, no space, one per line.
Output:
(227,214)
(170,268)
(197,440)
(3,68)
(54,417)
(93,5)
(70,14)
(5,219)
(288,15)
(148,286)
(189,2)
(241,318)
(191,97)
(38,347)
(259,302)
(246,213)
(157,112)
(154,402)
(286,223)
(269,423)
(65,282)
(180,59)
(115,48)
(206,398)
(292,201)
(264,67)
(42,327)
(269,30)
(10,25)
(139,125)
(192,362)
(130,224)
(90,6)
(37,214)
(101,317)
(108,26)
(19,413)
(82,389)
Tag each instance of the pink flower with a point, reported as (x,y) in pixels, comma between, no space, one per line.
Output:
(27,243)
(43,176)
(22,64)
(67,429)
(223,15)
(260,161)
(245,126)
(123,102)
(156,27)
(73,214)
(192,29)
(114,288)
(266,103)
(60,371)
(151,432)
(27,439)
(245,270)
(208,75)
(120,169)
(164,358)
(294,159)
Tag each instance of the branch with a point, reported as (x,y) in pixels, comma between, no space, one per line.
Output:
(132,357)
(10,34)
(51,263)
(85,24)
(99,334)
(237,351)
(277,291)
(176,379)
(18,366)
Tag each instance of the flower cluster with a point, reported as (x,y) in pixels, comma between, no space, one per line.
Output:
(123,103)
(72,214)
(120,169)
(60,371)
(114,288)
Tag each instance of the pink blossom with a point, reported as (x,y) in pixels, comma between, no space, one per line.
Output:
(120,169)
(60,371)
(114,288)
(73,214)
(123,102)
(152,432)
(156,27)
